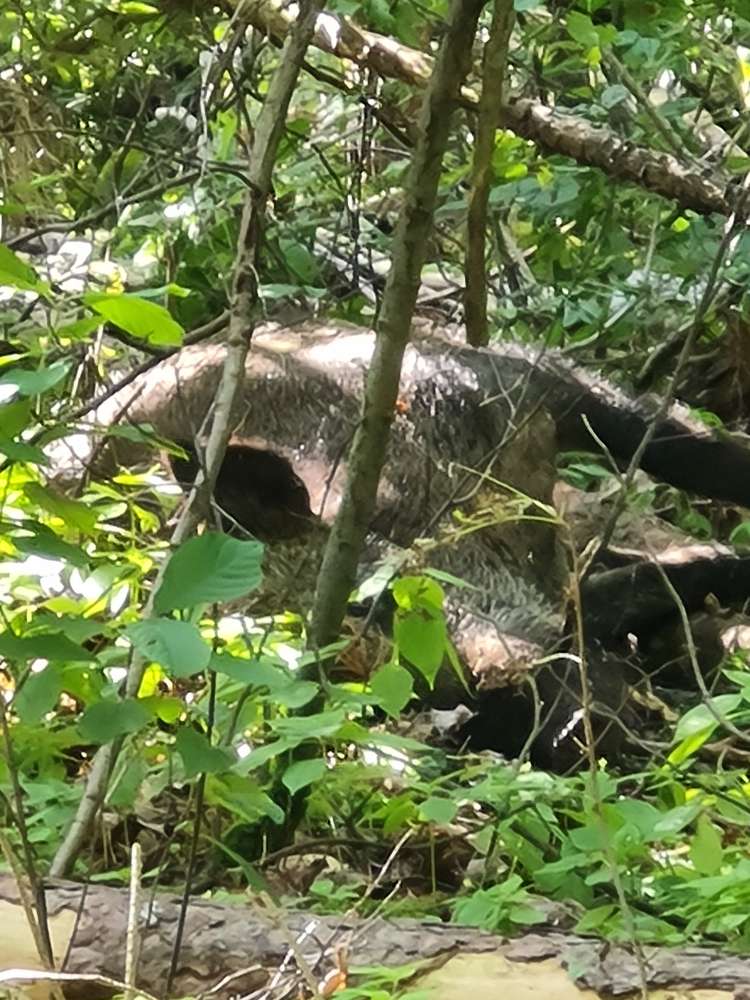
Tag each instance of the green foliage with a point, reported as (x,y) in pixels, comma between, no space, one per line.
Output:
(126,129)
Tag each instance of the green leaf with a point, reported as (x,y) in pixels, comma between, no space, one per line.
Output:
(438,810)
(18,451)
(198,756)
(261,755)
(706,851)
(211,567)
(16,274)
(242,797)
(675,820)
(614,95)
(393,686)
(175,645)
(44,542)
(419,624)
(138,317)
(421,639)
(38,695)
(595,920)
(71,512)
(34,383)
(129,780)
(741,534)
(701,717)
(410,592)
(107,720)
(303,773)
(581,29)
(283,688)
(81,329)
(44,646)
(636,813)
(689,746)
(311,727)
(165,708)
(15,417)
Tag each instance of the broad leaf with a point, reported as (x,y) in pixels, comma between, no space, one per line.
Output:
(44,646)
(703,718)
(19,451)
(34,383)
(211,567)
(16,274)
(178,646)
(109,719)
(72,512)
(38,695)
(393,686)
(136,316)
(303,773)
(438,810)
(198,756)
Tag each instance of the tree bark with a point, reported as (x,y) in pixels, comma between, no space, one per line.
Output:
(488,118)
(338,571)
(243,948)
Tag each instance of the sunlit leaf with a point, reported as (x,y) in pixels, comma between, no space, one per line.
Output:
(138,317)
(15,273)
(73,513)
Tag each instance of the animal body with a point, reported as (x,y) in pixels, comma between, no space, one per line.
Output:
(257,491)
(475,431)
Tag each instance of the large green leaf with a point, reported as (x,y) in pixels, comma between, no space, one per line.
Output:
(73,512)
(15,273)
(393,686)
(107,720)
(19,451)
(311,727)
(198,756)
(211,567)
(43,646)
(703,718)
(178,646)
(136,316)
(44,542)
(35,383)
(302,773)
(38,695)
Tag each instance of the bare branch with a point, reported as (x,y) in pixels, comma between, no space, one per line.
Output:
(556,133)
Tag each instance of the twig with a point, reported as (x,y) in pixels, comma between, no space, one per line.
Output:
(10,976)
(133,937)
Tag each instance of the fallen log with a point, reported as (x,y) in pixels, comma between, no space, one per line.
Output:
(230,950)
